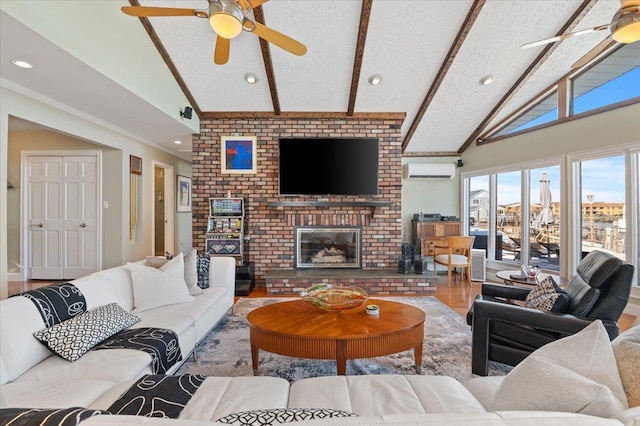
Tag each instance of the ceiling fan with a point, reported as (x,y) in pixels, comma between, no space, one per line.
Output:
(228,18)
(624,28)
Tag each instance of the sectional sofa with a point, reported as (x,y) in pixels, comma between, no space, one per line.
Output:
(574,381)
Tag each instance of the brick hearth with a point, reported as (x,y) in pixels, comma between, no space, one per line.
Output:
(375,281)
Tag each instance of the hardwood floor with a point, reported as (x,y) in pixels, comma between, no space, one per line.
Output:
(459,296)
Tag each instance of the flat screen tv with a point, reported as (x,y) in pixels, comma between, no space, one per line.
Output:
(328,166)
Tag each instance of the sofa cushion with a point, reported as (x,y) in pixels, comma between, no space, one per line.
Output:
(547,296)
(108,286)
(47,417)
(115,365)
(626,349)
(573,374)
(159,287)
(277,416)
(58,393)
(74,337)
(392,394)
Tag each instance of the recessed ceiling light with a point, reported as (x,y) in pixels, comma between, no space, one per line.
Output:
(487,80)
(178,142)
(375,79)
(22,64)
(251,78)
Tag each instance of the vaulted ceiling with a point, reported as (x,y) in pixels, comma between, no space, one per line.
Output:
(430,55)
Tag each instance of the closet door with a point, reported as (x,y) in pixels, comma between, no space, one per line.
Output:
(62,216)
(80,209)
(44,226)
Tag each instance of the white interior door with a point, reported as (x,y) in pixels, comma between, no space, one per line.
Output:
(63,216)
(44,226)
(80,207)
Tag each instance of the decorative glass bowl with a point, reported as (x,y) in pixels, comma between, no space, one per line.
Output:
(334,298)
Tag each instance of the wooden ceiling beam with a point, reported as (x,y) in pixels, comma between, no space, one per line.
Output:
(268,64)
(365,14)
(167,60)
(580,12)
(313,115)
(444,68)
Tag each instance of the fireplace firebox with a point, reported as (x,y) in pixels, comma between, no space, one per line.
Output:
(328,247)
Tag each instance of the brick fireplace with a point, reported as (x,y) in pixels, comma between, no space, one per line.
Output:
(272,219)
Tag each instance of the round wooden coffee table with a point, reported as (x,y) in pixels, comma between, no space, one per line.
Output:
(299,329)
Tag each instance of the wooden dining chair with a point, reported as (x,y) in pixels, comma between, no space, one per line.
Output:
(457,254)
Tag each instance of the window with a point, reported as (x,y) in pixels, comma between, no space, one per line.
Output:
(478,203)
(614,79)
(508,217)
(611,82)
(544,241)
(542,112)
(602,205)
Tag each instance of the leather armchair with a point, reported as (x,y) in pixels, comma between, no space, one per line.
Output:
(507,332)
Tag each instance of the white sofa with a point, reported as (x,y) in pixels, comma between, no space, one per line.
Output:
(32,377)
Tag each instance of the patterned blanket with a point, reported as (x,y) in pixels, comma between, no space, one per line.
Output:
(158,396)
(57,302)
(160,343)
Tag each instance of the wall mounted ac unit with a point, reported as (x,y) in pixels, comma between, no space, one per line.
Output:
(429,171)
(478,265)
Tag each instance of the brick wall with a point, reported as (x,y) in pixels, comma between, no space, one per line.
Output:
(271,229)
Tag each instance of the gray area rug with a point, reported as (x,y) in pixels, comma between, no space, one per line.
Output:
(225,351)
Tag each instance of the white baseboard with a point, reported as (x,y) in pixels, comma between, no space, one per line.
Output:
(14,276)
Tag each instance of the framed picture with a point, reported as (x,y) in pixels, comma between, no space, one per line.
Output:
(239,154)
(135,165)
(184,194)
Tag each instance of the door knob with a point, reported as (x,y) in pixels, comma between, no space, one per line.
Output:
(83,225)
(39,225)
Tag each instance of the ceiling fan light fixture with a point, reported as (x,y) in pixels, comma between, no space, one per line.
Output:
(225,24)
(626,25)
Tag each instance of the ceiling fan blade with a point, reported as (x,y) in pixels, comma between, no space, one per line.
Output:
(256,3)
(221,54)
(563,36)
(600,47)
(279,39)
(143,11)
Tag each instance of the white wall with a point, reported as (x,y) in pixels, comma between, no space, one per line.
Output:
(613,128)
(115,179)
(429,195)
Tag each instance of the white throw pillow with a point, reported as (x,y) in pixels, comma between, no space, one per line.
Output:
(576,374)
(191,273)
(159,287)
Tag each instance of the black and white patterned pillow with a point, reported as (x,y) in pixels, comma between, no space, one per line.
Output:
(202,266)
(73,338)
(277,416)
(547,296)
(47,417)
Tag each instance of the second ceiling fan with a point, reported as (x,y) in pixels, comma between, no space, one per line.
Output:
(228,18)
(624,28)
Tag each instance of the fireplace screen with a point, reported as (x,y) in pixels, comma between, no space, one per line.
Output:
(322,247)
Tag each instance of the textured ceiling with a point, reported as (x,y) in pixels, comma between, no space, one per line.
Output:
(407,43)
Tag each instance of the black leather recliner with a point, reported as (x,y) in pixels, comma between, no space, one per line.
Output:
(507,332)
